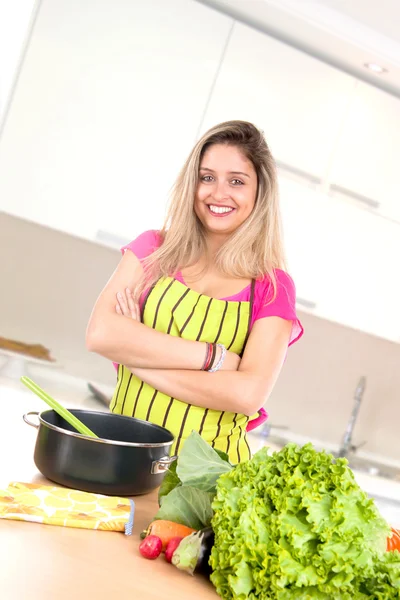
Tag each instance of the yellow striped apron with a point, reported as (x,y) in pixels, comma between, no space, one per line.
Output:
(173,308)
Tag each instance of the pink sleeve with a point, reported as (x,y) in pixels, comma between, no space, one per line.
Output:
(144,245)
(284,304)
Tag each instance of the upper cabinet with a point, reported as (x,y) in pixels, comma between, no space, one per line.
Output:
(341,135)
(366,160)
(108,104)
(15,20)
(304,223)
(360,286)
(297,100)
(342,260)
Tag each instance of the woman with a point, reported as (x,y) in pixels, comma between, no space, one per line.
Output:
(211,312)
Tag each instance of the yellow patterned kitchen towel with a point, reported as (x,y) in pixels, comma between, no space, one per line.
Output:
(53,505)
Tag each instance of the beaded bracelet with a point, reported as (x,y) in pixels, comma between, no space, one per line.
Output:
(221,360)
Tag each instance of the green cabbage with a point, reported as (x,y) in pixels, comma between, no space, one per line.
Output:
(295,525)
(189,486)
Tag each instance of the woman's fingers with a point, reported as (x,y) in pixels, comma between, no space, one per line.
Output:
(123,304)
(131,304)
(127,306)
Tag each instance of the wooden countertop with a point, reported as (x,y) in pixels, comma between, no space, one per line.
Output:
(45,562)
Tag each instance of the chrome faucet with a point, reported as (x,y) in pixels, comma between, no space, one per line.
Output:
(346,446)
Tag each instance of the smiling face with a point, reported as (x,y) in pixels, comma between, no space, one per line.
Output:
(226,191)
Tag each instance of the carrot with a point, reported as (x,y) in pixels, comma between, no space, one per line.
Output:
(393,543)
(166,530)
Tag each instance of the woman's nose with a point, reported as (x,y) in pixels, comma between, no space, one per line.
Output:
(220,191)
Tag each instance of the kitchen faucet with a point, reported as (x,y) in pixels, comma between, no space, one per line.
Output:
(346,446)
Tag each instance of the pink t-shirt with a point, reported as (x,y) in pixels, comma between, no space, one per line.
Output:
(283,306)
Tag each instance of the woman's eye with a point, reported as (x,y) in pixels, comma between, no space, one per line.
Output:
(210,178)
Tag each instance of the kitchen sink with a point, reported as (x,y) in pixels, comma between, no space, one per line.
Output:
(356,463)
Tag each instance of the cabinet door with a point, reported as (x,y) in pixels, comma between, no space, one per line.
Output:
(360,285)
(367,158)
(343,260)
(14,25)
(297,100)
(108,105)
(303,220)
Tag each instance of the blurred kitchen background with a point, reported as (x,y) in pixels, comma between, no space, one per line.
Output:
(100,102)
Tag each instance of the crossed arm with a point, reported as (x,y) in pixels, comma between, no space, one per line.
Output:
(171,364)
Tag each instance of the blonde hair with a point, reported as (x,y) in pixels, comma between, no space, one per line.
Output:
(255,249)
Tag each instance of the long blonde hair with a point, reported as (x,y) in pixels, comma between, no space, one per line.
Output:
(255,249)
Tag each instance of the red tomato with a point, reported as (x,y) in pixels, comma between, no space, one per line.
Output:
(393,543)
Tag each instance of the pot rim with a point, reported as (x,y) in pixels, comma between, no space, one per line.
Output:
(104,440)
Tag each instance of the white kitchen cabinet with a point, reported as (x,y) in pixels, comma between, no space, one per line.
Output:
(297,100)
(15,18)
(107,107)
(303,222)
(360,284)
(367,157)
(343,259)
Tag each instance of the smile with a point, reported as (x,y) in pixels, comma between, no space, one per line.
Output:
(220,211)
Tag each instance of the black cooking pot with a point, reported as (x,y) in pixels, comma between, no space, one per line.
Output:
(130,457)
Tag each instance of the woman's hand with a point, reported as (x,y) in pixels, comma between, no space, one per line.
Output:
(126,305)
(231,362)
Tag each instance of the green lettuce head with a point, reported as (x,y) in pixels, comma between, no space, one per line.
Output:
(294,526)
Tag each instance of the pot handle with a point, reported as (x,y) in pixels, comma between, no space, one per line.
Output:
(25,418)
(162,464)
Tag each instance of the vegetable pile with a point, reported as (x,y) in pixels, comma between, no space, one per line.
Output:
(293,525)
(163,536)
(166,531)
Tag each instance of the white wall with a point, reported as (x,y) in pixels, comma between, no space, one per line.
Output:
(53,280)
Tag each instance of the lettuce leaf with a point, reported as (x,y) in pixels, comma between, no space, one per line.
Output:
(198,456)
(293,525)
(188,506)
(199,465)
(170,481)
(189,485)
(222,455)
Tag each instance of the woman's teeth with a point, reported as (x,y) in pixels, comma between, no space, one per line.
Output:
(220,209)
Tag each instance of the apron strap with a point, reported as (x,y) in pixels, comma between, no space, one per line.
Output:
(252,288)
